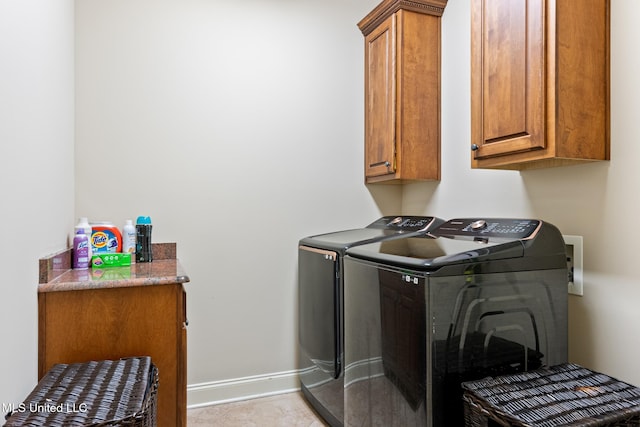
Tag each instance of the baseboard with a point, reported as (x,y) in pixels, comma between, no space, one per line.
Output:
(237,389)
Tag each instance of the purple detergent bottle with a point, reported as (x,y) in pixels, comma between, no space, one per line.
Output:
(81,250)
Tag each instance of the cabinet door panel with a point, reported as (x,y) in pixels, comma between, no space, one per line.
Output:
(110,323)
(507,76)
(380,93)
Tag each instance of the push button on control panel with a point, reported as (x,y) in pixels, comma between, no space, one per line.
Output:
(479,224)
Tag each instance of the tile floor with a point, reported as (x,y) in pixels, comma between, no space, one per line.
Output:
(286,410)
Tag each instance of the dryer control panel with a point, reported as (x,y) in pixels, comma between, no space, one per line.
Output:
(485,228)
(403,223)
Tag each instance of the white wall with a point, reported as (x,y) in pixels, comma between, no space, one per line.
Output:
(36,170)
(598,201)
(238,127)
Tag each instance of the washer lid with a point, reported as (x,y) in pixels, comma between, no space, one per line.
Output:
(472,241)
(432,253)
(387,227)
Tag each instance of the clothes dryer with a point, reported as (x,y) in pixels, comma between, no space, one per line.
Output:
(473,298)
(320,298)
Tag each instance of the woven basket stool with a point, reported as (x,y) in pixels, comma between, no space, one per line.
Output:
(563,395)
(104,393)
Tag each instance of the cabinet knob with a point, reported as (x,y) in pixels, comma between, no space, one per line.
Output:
(385,163)
(478,225)
(474,147)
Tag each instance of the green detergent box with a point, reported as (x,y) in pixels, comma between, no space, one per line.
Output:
(102,260)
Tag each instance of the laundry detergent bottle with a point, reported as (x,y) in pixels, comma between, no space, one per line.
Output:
(144,252)
(81,250)
(129,237)
(83,223)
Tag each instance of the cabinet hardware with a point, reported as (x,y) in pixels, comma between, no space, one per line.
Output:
(385,163)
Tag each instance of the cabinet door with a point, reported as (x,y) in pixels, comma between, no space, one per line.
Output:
(507,83)
(110,323)
(380,95)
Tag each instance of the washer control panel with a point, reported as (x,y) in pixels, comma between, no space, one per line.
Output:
(402,223)
(484,228)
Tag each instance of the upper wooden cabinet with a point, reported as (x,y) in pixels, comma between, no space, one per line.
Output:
(539,83)
(402,91)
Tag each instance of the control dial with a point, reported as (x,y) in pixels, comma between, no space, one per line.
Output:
(479,225)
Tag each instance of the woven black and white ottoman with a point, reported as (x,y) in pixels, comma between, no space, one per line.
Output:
(563,395)
(101,393)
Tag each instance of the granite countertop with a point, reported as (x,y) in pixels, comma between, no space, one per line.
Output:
(56,273)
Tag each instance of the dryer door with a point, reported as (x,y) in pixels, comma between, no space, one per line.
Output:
(320,334)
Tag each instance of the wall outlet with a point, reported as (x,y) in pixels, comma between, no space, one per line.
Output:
(574,264)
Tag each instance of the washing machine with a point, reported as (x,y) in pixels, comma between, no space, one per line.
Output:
(475,297)
(320,305)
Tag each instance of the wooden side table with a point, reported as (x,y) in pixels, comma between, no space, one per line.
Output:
(115,313)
